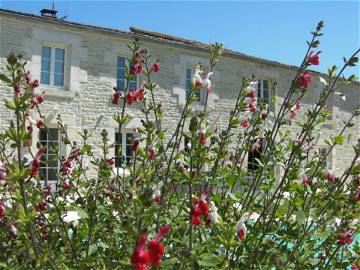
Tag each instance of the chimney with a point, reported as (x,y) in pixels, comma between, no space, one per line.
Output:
(50,13)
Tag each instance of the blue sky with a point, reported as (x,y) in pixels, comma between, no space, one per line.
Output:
(275,30)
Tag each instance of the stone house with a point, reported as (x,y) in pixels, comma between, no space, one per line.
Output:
(79,64)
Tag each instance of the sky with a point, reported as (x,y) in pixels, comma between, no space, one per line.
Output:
(274,30)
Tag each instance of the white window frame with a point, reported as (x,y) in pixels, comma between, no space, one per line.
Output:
(48,140)
(54,46)
(127,63)
(124,135)
(261,96)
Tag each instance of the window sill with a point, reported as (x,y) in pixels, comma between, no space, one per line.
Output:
(55,92)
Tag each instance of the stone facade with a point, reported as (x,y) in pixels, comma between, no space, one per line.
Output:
(90,75)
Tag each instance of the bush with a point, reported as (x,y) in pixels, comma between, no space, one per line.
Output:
(198,207)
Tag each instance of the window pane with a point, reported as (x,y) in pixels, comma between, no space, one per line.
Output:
(42,173)
(42,135)
(45,65)
(59,79)
(59,67)
(129,138)
(54,134)
(45,78)
(52,174)
(59,54)
(132,85)
(53,163)
(188,74)
(121,62)
(259,89)
(118,138)
(120,84)
(265,93)
(265,84)
(120,74)
(46,52)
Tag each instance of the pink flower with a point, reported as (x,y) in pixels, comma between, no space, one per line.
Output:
(181,167)
(156,66)
(111,161)
(241,229)
(313,59)
(245,123)
(2,171)
(66,186)
(17,89)
(35,165)
(293,114)
(304,80)
(354,266)
(264,114)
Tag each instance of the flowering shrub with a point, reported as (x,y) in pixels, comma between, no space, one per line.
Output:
(197,207)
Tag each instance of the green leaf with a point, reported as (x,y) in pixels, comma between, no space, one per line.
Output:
(82,213)
(93,249)
(5,79)
(210,260)
(339,139)
(300,217)
(10,105)
(233,197)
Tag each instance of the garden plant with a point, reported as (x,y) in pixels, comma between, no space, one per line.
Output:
(216,202)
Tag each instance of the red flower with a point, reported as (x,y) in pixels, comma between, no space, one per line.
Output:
(140,257)
(46,191)
(252,107)
(156,66)
(241,234)
(264,114)
(346,237)
(306,181)
(29,128)
(111,161)
(330,176)
(17,89)
(357,195)
(181,167)
(304,80)
(245,123)
(156,251)
(313,59)
(35,83)
(40,99)
(35,165)
(198,85)
(293,114)
(195,220)
(40,123)
(134,145)
(42,206)
(66,186)
(251,94)
(354,266)
(203,205)
(2,210)
(202,137)
(152,153)
(116,97)
(134,96)
(2,171)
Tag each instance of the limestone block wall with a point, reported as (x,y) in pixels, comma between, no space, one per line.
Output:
(85,102)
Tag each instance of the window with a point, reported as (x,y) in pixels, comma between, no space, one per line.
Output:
(263,91)
(123,151)
(49,162)
(120,75)
(197,92)
(52,66)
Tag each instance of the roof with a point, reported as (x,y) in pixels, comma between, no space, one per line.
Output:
(141,33)
(153,36)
